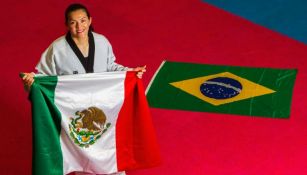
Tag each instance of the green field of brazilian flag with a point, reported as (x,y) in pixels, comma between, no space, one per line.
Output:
(247,91)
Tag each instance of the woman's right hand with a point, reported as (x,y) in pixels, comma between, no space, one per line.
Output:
(28,79)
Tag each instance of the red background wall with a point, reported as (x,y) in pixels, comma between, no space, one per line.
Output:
(147,32)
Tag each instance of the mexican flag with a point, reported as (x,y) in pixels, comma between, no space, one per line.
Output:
(96,123)
(251,91)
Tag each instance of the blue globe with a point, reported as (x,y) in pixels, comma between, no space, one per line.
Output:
(221,88)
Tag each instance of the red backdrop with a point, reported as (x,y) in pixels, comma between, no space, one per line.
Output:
(147,32)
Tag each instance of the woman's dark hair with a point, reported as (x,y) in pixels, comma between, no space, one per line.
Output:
(74,7)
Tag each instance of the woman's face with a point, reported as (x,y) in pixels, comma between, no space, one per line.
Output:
(78,24)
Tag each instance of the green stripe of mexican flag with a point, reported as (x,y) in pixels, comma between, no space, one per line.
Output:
(251,91)
(96,123)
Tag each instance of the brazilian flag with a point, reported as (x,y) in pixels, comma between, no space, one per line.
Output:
(247,91)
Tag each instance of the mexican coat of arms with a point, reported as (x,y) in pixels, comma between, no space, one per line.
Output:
(88,126)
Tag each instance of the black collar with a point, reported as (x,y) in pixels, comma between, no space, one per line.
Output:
(88,63)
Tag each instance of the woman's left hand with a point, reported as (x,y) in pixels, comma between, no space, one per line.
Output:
(139,71)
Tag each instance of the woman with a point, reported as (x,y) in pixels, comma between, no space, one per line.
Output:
(80,51)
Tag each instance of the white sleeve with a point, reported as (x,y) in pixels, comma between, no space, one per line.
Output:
(46,64)
(112,65)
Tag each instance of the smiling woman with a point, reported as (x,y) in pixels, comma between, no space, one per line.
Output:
(78,23)
(80,51)
(78,20)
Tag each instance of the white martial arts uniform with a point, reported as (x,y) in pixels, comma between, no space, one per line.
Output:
(60,59)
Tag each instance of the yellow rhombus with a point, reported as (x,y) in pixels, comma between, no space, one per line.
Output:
(249,89)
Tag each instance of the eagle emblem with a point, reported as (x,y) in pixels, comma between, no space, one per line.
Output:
(88,126)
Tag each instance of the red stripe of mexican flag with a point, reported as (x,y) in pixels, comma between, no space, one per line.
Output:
(136,141)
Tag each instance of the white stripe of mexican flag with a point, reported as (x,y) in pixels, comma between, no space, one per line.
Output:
(97,123)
